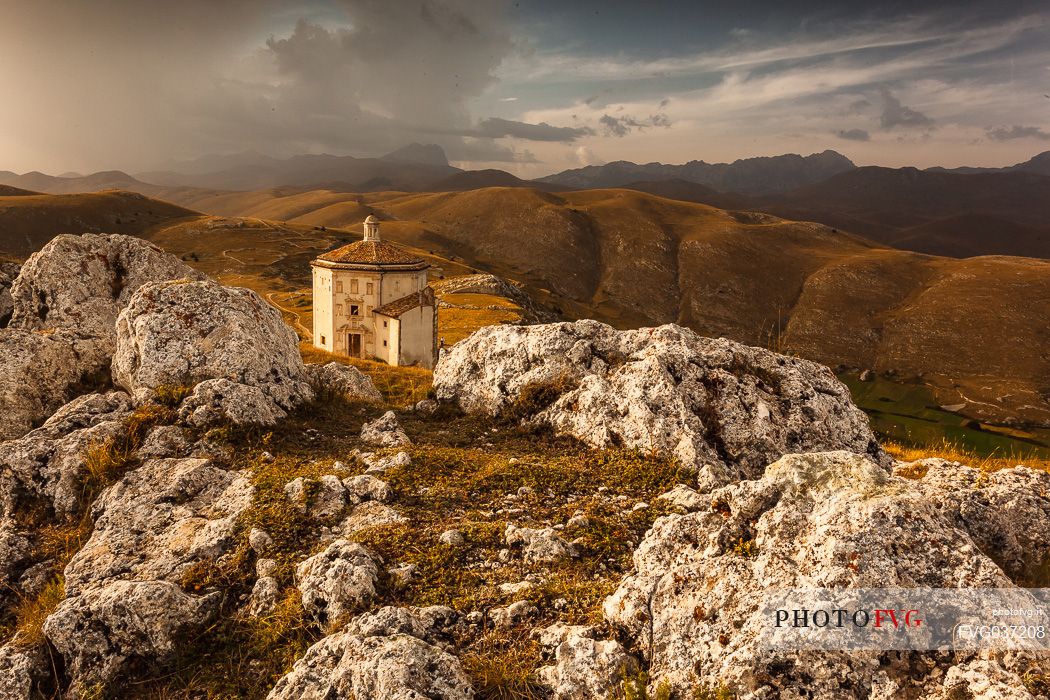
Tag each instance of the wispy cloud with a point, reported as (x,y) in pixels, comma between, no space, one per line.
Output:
(1018,132)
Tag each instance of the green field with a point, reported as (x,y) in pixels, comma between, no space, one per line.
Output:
(909,414)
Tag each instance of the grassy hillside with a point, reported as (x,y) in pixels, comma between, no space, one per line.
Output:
(973,330)
(27,222)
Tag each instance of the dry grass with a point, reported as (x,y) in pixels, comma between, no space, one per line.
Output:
(108,460)
(32,611)
(501,666)
(400,386)
(956,453)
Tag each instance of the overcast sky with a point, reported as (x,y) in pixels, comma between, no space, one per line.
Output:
(530,86)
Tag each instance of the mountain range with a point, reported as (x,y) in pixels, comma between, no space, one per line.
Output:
(962,212)
(748,176)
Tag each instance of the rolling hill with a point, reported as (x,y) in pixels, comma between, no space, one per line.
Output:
(973,329)
(28,221)
(936,212)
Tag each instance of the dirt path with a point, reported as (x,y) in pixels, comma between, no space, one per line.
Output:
(297,323)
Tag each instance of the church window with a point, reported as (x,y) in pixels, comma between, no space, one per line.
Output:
(338,309)
(353,286)
(384,343)
(384,325)
(323,341)
(355,310)
(369,288)
(338,286)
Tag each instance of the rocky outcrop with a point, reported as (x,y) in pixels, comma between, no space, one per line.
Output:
(61,333)
(8,273)
(385,431)
(538,545)
(338,380)
(831,520)
(125,611)
(391,653)
(123,629)
(22,672)
(322,499)
(80,284)
(338,581)
(184,333)
(724,408)
(1007,513)
(160,520)
(43,472)
(40,373)
(584,667)
(220,401)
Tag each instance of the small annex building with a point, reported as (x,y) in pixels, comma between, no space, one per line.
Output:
(371,300)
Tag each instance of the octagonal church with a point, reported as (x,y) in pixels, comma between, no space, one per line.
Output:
(371,300)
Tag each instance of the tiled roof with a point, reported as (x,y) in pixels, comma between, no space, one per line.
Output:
(371,253)
(424,297)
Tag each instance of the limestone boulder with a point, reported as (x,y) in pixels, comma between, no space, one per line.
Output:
(22,672)
(159,520)
(125,629)
(392,653)
(8,273)
(80,283)
(827,520)
(538,545)
(184,333)
(222,402)
(720,407)
(338,581)
(125,613)
(165,441)
(584,666)
(323,499)
(1007,513)
(365,487)
(385,431)
(43,472)
(982,679)
(336,379)
(368,515)
(16,555)
(39,372)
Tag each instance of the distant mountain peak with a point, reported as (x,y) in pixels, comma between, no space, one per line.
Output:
(425,153)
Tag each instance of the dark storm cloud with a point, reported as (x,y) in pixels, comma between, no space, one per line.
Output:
(895,114)
(854,135)
(495,128)
(134,83)
(131,83)
(1018,132)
